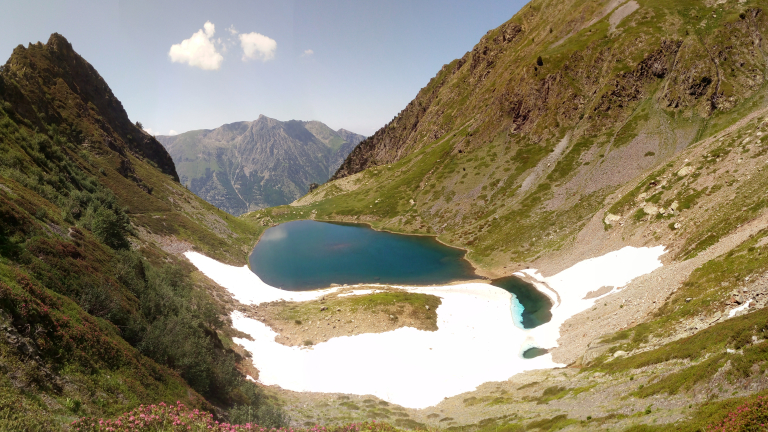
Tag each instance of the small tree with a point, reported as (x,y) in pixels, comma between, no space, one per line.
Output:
(539,61)
(141,126)
(110,228)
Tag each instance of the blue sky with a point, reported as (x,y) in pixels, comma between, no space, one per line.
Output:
(351,64)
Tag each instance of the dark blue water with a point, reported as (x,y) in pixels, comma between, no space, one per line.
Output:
(304,255)
(533,307)
(534,352)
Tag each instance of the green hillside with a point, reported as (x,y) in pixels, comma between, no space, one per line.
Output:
(574,129)
(511,159)
(99,313)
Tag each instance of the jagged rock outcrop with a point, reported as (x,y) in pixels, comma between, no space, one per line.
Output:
(51,85)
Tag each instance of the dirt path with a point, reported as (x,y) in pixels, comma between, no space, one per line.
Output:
(546,165)
(622,12)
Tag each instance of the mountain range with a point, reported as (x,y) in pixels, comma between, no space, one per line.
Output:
(574,129)
(246,166)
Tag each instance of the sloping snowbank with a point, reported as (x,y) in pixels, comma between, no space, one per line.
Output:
(245,286)
(614,269)
(477,340)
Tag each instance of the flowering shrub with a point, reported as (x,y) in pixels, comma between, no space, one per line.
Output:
(160,417)
(749,417)
(167,418)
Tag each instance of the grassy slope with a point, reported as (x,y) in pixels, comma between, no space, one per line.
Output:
(490,119)
(93,328)
(472,198)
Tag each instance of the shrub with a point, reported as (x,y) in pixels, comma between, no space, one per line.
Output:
(267,416)
(167,418)
(111,228)
(751,416)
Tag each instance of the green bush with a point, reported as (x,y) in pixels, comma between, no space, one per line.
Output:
(751,416)
(110,228)
(267,416)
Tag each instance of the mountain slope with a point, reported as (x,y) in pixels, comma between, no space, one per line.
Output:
(497,142)
(246,166)
(98,313)
(573,130)
(597,66)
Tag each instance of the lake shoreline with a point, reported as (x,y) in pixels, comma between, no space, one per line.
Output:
(483,274)
(307,254)
(472,319)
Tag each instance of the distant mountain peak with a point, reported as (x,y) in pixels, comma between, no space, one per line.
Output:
(246,166)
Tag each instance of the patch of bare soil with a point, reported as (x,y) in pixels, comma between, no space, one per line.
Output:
(169,244)
(598,292)
(622,12)
(335,315)
(345,184)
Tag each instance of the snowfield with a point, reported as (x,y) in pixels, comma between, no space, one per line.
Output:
(477,340)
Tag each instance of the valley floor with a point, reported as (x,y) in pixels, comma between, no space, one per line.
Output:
(478,339)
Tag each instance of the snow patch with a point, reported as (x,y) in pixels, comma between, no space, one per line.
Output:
(615,269)
(733,312)
(479,338)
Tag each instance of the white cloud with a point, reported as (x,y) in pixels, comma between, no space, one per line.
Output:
(232,30)
(173,132)
(308,52)
(149,131)
(199,50)
(257,46)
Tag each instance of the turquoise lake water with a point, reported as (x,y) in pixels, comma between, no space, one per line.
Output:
(305,255)
(531,306)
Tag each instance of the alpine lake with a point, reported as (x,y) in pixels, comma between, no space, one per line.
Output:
(306,255)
